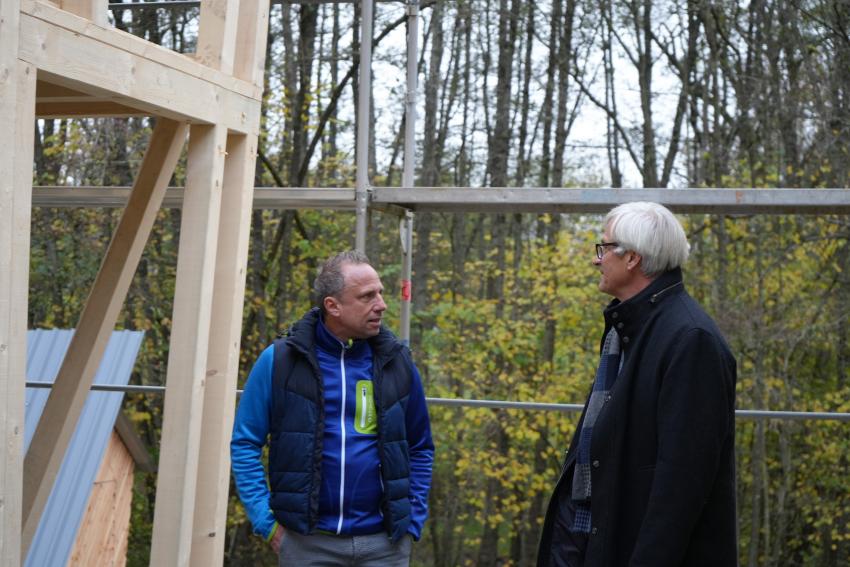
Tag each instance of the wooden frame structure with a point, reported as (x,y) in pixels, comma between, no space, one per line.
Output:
(60,58)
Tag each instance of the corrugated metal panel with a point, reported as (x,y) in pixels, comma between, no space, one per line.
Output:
(64,511)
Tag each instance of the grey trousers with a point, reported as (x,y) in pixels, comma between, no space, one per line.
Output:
(321,550)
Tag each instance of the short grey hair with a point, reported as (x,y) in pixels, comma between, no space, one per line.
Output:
(330,281)
(652,231)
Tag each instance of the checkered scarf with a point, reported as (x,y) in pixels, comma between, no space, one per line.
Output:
(606,374)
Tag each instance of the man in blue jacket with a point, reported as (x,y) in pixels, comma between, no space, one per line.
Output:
(341,405)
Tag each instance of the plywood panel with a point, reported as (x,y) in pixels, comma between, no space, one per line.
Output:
(102,538)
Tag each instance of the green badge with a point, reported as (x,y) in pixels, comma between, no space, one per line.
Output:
(365,420)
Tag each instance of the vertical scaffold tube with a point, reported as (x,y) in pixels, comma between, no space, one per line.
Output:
(406,233)
(361,190)
(406,227)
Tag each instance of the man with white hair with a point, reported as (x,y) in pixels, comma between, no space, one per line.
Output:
(649,478)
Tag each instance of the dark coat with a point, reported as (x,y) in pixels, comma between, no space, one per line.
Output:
(663,445)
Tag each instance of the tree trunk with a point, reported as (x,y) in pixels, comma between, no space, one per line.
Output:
(561,129)
(430,167)
(307,23)
(643,29)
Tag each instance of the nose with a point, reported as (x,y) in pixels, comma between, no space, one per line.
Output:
(380,306)
(596,261)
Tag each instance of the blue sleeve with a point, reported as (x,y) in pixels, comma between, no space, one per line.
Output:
(421,455)
(250,432)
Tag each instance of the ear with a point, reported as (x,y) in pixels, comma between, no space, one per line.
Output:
(331,306)
(633,260)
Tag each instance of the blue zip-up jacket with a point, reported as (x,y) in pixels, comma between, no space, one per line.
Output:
(351,490)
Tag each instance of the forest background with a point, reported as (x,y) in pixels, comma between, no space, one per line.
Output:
(563,93)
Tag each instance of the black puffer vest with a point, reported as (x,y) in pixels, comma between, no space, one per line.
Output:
(298,421)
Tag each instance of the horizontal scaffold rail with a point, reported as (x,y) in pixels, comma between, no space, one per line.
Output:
(197,3)
(503,404)
(264,197)
(586,200)
(493,200)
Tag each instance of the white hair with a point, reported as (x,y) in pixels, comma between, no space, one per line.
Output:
(652,231)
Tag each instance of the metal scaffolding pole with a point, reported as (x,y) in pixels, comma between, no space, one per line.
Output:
(406,225)
(361,189)
(505,404)
(591,200)
(197,3)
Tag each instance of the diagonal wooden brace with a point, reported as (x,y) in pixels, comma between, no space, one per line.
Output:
(58,422)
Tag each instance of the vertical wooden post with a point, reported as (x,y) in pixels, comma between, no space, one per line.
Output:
(213,483)
(97,321)
(17,117)
(94,10)
(217,34)
(251,36)
(187,358)
(211,489)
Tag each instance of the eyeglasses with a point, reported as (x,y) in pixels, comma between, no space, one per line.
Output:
(601,246)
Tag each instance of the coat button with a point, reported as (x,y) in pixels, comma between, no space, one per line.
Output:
(626,340)
(615,315)
(608,398)
(596,464)
(593,531)
(620,325)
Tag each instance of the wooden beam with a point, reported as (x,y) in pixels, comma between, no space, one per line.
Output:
(116,66)
(93,10)
(134,444)
(112,38)
(57,101)
(217,34)
(251,36)
(187,358)
(17,117)
(211,489)
(85,109)
(49,92)
(97,321)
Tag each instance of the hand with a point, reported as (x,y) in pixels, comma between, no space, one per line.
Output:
(276,538)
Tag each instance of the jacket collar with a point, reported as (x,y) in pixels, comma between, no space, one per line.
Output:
(329,343)
(628,317)
(310,332)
